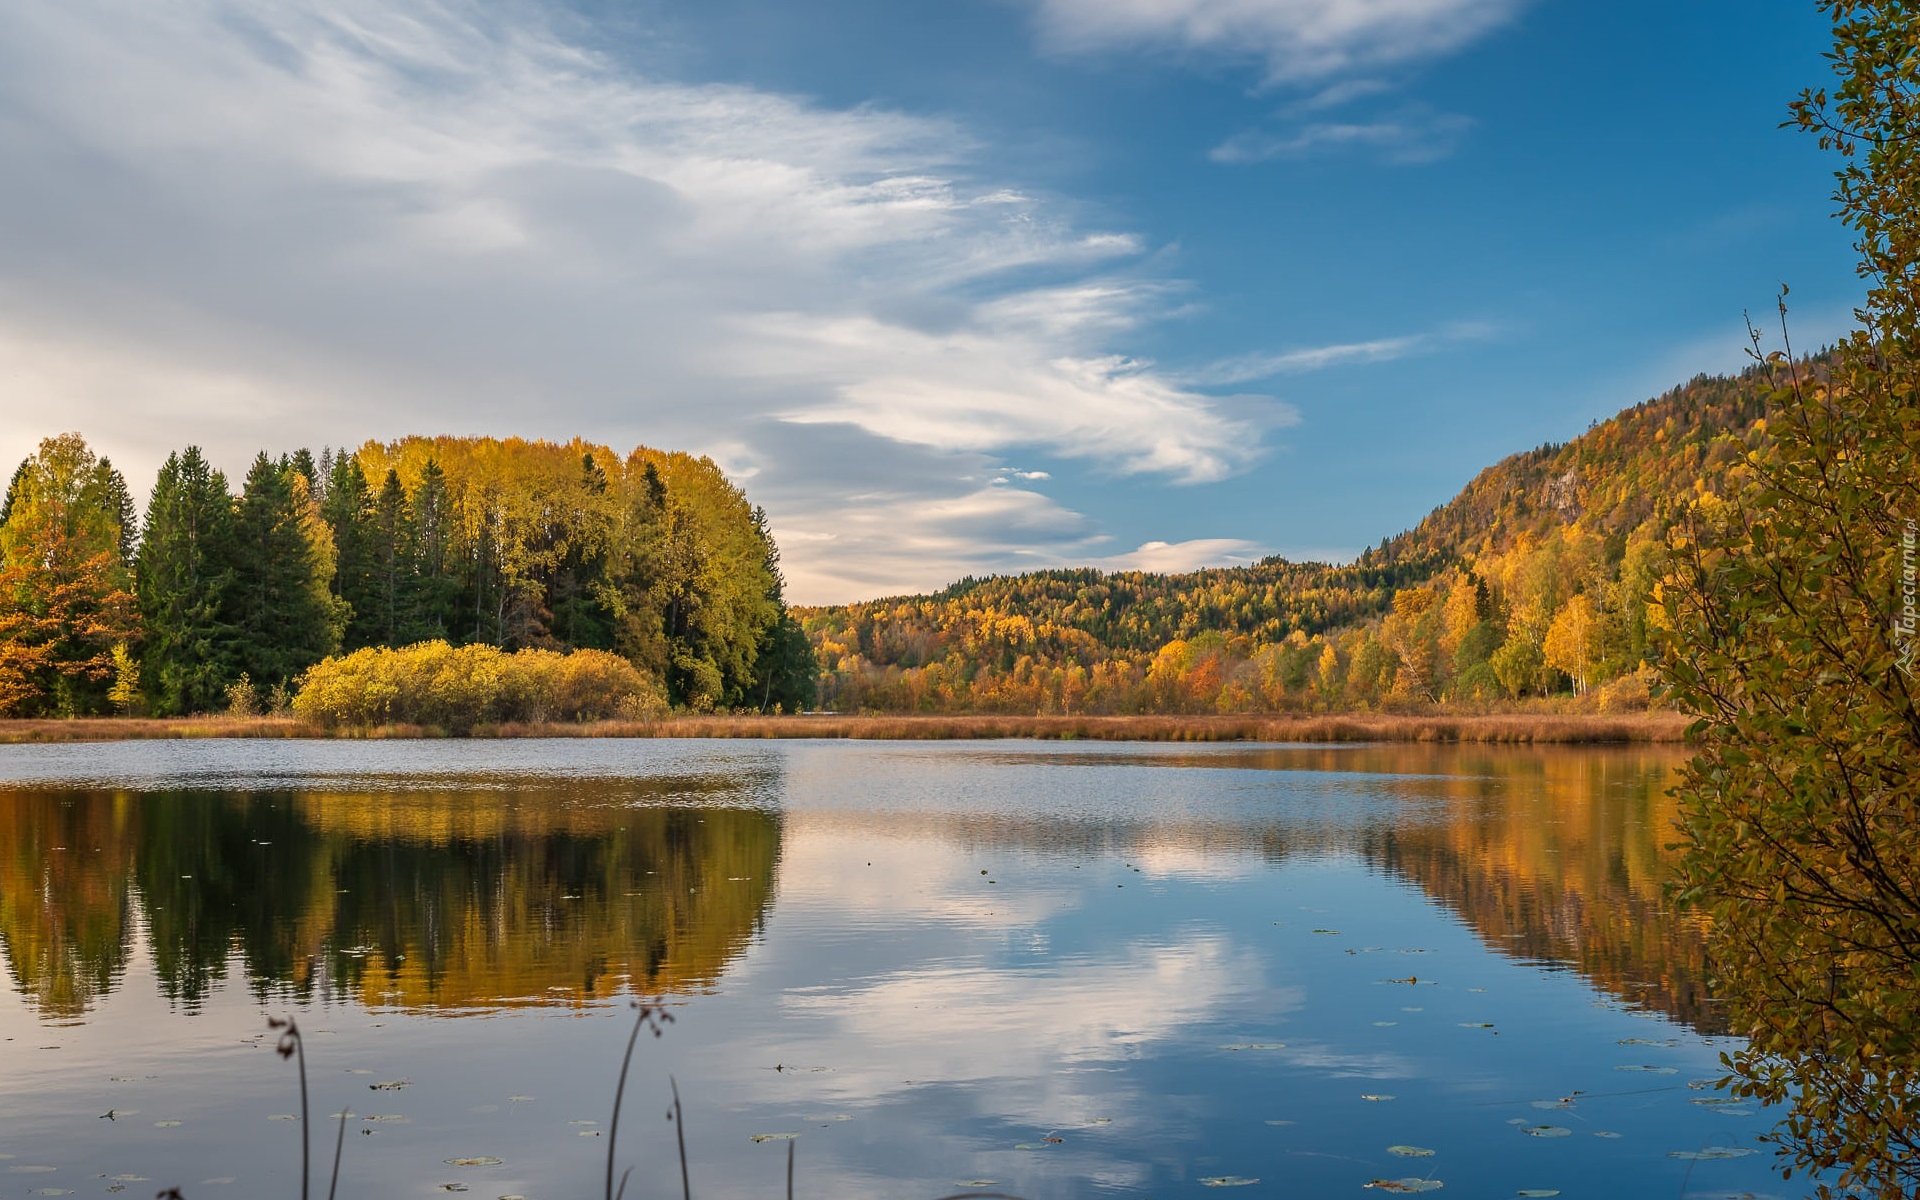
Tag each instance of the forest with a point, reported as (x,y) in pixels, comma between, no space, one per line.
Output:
(1539,580)
(225,601)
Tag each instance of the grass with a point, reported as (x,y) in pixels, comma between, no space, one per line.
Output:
(1516,728)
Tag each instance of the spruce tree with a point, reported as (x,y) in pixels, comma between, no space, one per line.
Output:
(284,614)
(182,573)
(390,561)
(434,594)
(345,510)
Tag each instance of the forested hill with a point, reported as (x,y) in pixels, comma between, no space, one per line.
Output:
(1613,479)
(1531,580)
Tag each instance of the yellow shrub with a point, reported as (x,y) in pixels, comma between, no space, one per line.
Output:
(456,688)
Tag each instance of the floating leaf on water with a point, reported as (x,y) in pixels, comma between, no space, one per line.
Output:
(1375,1097)
(385,1117)
(1406,1185)
(483,1160)
(1226,1181)
(822,1118)
(1333,932)
(1476,1024)
(1546,1131)
(1711,1152)
(389,1085)
(1031,1146)
(1606,1133)
(34,1169)
(50,1192)
(582,1121)
(1669,1043)
(1717,1101)
(1650,1070)
(1550,1104)
(774,1137)
(1410,1151)
(1701,1085)
(453,1187)
(130,1179)
(1101,1121)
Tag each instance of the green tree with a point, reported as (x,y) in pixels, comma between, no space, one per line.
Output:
(284,615)
(431,604)
(346,509)
(181,573)
(1792,610)
(65,598)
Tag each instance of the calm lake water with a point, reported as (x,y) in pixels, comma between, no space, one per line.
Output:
(1074,970)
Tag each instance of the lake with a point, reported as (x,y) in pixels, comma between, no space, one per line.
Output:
(1052,970)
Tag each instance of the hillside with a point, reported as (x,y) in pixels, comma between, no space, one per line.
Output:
(1531,581)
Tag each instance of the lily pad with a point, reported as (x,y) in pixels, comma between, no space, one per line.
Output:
(1226,1181)
(389,1085)
(1551,1104)
(1410,1151)
(484,1160)
(1718,1101)
(1711,1152)
(774,1137)
(1547,1131)
(1399,1186)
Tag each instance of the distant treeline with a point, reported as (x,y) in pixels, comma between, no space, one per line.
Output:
(219,600)
(1536,580)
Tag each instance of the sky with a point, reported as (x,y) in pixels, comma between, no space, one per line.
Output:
(973,287)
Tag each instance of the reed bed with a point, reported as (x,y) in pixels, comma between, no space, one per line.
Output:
(1524,728)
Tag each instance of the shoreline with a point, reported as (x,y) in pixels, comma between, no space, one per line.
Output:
(1334,728)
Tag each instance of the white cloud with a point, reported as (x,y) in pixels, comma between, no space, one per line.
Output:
(1248,367)
(249,223)
(1409,137)
(1174,557)
(1299,40)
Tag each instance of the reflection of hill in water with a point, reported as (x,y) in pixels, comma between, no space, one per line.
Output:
(444,899)
(563,891)
(1549,854)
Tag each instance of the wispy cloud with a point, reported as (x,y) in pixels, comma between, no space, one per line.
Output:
(1247,368)
(267,222)
(1298,40)
(1412,136)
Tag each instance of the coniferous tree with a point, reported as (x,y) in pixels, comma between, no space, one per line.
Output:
(346,511)
(431,601)
(581,616)
(182,572)
(391,558)
(284,614)
(786,673)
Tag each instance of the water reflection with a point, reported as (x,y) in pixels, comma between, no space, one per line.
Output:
(560,891)
(444,899)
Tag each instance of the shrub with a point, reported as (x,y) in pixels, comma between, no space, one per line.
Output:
(457,688)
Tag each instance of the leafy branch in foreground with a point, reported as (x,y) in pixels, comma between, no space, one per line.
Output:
(1793,641)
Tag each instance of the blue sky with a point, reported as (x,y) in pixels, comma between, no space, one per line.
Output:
(960,288)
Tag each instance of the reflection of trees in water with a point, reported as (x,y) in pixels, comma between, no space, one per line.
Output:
(483,898)
(65,913)
(450,899)
(1564,860)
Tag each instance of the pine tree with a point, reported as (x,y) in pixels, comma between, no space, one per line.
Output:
(391,562)
(345,510)
(182,573)
(284,614)
(432,599)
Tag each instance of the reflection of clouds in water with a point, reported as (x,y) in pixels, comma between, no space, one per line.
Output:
(1042,1033)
